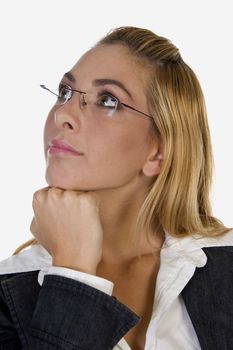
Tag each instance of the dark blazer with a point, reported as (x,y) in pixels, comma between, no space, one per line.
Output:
(67,314)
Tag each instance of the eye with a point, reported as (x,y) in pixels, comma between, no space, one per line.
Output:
(64,93)
(107,101)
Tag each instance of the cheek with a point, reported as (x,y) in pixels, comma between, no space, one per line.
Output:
(123,145)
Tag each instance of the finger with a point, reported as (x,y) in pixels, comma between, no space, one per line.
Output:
(95,196)
(40,193)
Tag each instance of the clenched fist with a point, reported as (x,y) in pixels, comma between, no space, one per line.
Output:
(67,224)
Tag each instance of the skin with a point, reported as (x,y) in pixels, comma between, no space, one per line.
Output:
(85,216)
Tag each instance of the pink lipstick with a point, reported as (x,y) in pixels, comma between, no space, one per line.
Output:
(62,147)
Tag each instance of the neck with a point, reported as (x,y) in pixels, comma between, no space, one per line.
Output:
(119,212)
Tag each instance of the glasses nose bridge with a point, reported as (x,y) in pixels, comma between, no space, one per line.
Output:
(86,101)
(81,99)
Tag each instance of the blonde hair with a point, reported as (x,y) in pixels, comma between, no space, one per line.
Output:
(178,200)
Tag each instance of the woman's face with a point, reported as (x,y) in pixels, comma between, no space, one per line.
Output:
(112,149)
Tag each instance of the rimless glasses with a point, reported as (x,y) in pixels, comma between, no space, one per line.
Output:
(100,102)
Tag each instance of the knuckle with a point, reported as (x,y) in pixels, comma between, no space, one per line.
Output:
(86,200)
(37,196)
(40,193)
(55,192)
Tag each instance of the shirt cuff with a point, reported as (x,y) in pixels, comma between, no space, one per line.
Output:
(100,283)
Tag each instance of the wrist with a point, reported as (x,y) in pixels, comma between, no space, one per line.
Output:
(58,262)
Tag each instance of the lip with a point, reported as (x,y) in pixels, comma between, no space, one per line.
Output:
(60,146)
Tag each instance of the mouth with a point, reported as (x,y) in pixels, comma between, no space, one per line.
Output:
(62,147)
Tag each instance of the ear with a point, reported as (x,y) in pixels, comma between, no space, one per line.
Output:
(154,161)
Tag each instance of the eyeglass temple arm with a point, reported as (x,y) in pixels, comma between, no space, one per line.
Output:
(134,109)
(44,87)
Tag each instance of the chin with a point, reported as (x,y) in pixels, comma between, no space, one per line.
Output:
(65,184)
(62,183)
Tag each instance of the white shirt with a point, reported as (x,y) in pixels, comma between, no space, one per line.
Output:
(170,327)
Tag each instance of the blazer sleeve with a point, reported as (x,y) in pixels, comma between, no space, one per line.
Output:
(67,315)
(9,339)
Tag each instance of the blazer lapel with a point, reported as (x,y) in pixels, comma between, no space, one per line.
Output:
(208,299)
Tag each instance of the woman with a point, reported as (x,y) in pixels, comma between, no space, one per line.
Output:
(126,253)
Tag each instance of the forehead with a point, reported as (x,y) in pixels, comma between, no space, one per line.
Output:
(111,62)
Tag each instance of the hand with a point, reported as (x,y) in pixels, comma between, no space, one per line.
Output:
(67,224)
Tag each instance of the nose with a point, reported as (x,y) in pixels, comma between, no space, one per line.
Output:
(65,118)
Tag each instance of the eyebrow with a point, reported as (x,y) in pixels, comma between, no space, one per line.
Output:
(101,82)
(70,77)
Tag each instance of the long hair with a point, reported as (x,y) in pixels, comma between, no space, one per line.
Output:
(179,198)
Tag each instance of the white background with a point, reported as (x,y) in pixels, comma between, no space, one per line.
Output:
(40,40)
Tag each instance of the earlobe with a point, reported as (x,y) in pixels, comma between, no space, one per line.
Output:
(159,156)
(153,164)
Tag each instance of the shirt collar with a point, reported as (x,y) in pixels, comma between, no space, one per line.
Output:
(188,248)
(32,259)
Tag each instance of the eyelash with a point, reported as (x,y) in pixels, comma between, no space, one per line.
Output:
(106,92)
(60,86)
